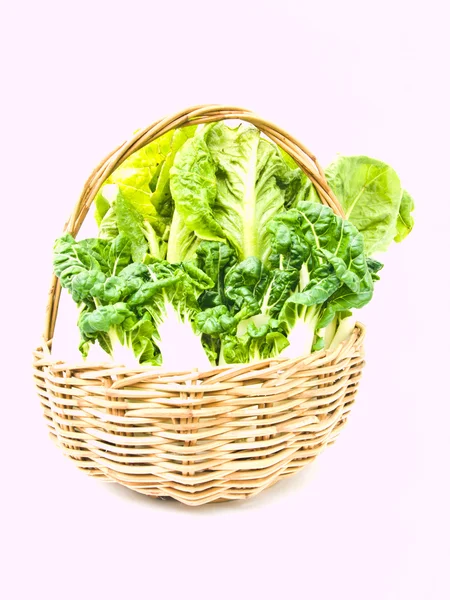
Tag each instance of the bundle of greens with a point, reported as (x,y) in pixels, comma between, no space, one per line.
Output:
(214,248)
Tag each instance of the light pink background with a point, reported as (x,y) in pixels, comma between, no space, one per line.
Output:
(369,521)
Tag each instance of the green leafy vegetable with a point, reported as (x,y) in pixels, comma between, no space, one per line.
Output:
(213,247)
(136,199)
(131,224)
(372,197)
(333,277)
(131,308)
(318,269)
(215,259)
(227,183)
(405,220)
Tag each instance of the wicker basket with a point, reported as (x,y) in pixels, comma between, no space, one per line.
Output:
(198,437)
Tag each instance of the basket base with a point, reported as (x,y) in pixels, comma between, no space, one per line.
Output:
(209,495)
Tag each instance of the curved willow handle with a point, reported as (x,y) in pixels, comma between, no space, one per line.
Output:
(195,115)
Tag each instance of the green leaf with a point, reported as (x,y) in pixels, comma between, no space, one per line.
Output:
(234,350)
(161,197)
(227,183)
(119,254)
(131,223)
(256,332)
(147,291)
(317,291)
(370,194)
(374,266)
(71,258)
(267,346)
(260,343)
(405,220)
(331,248)
(134,175)
(289,249)
(199,278)
(215,259)
(103,318)
(84,282)
(141,339)
(344,300)
(319,344)
(307,192)
(182,242)
(194,189)
(142,181)
(214,321)
(108,229)
(102,206)
(245,284)
(342,270)
(372,198)
(281,286)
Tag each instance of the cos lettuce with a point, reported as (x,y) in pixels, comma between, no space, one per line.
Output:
(228,184)
(372,197)
(136,201)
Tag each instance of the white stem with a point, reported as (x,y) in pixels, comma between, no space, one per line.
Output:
(343,332)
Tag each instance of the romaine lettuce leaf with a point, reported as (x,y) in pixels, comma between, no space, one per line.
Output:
(136,199)
(372,197)
(227,183)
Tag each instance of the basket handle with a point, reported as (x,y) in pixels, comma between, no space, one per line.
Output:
(195,115)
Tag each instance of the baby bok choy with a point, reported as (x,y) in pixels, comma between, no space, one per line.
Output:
(145,308)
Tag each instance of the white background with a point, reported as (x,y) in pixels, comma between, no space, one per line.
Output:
(370,519)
